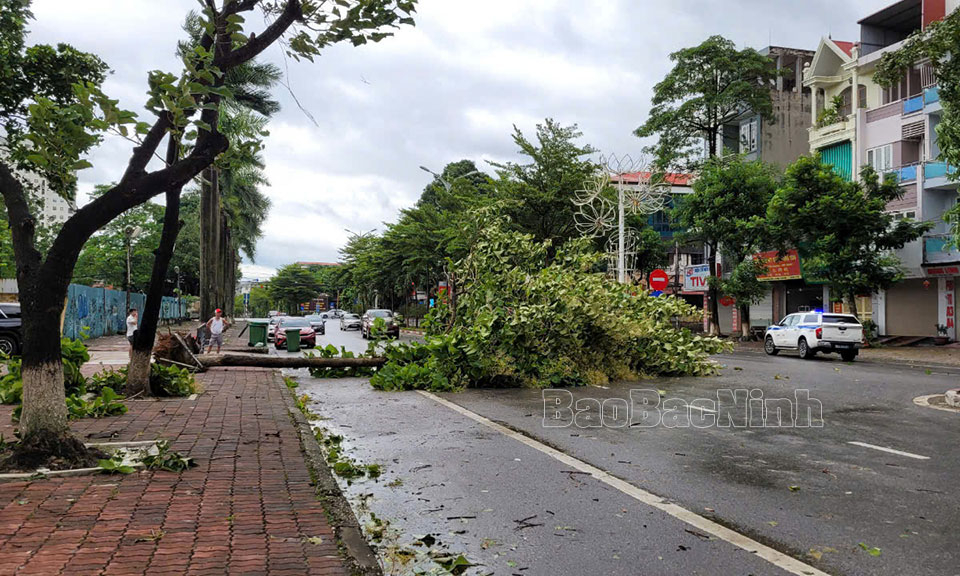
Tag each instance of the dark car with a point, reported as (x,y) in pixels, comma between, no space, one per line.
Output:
(318,323)
(350,322)
(307,336)
(10,336)
(370,316)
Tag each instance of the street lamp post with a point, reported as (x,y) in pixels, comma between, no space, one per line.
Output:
(130,233)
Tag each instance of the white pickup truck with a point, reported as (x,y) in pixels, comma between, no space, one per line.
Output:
(812,332)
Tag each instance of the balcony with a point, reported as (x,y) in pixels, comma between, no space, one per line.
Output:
(906,173)
(931,95)
(937,249)
(832,133)
(913,105)
(939,176)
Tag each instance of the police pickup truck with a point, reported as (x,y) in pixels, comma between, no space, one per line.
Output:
(812,332)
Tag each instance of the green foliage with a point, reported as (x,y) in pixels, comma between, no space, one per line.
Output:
(115,379)
(331,351)
(727,212)
(171,381)
(108,403)
(709,86)
(537,195)
(11,383)
(115,465)
(523,319)
(841,229)
(166,459)
(831,114)
(293,285)
(290,382)
(73,354)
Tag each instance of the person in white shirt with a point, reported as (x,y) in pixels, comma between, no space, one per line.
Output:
(216,326)
(132,320)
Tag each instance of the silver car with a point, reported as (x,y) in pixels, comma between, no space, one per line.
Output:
(350,322)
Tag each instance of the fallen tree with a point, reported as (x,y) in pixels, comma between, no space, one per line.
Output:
(271,361)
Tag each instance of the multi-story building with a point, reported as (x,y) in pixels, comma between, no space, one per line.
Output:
(894,130)
(778,142)
(784,138)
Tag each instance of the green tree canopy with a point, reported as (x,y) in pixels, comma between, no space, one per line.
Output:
(293,285)
(841,229)
(710,85)
(727,213)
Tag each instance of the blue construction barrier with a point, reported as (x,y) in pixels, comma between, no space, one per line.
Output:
(102,312)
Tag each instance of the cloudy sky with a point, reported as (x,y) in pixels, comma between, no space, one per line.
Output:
(450,88)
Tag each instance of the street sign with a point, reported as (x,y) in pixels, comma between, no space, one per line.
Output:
(659,280)
(726,301)
(246,299)
(656,293)
(695,278)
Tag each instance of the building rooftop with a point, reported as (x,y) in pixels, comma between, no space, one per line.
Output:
(670,178)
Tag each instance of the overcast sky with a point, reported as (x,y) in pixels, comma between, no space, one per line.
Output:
(450,88)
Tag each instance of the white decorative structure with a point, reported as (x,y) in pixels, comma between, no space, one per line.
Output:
(639,190)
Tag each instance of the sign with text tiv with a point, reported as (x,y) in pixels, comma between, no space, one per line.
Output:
(786,268)
(695,278)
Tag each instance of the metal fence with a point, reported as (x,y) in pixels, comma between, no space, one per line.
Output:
(102,312)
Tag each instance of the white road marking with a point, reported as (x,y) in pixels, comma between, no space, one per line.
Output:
(890,450)
(778,559)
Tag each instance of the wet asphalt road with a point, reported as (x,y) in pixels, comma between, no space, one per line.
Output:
(468,485)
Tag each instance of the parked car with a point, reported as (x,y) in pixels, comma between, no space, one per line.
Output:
(318,323)
(308,337)
(335,313)
(10,335)
(370,316)
(272,326)
(812,332)
(350,322)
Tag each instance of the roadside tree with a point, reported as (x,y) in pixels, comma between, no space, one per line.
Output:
(709,86)
(841,229)
(53,112)
(726,212)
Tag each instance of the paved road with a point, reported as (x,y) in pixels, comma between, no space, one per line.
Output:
(442,464)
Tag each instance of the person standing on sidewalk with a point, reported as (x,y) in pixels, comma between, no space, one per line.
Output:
(215,327)
(132,320)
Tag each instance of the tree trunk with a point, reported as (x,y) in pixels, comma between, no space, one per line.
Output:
(138,372)
(745,322)
(852,304)
(209,240)
(272,361)
(713,295)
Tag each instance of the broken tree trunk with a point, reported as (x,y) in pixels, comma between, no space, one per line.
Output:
(270,361)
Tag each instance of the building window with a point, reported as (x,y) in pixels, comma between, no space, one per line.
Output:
(904,215)
(696,259)
(881,158)
(748,135)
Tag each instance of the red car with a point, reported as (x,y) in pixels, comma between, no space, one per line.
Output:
(308,337)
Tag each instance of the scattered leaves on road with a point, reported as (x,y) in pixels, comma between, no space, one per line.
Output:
(794,488)
(873,551)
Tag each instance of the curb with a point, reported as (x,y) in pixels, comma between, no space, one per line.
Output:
(942,368)
(356,551)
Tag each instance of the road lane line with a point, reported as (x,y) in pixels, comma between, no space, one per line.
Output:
(778,559)
(890,450)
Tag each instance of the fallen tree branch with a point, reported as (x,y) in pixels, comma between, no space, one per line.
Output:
(271,361)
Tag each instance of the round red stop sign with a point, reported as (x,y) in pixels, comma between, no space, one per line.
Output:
(659,280)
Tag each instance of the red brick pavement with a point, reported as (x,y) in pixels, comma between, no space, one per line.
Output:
(247,508)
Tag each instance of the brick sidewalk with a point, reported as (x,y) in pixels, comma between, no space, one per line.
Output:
(247,508)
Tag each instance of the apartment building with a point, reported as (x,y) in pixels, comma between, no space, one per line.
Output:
(894,130)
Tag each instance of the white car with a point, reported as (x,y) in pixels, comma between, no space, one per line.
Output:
(812,332)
